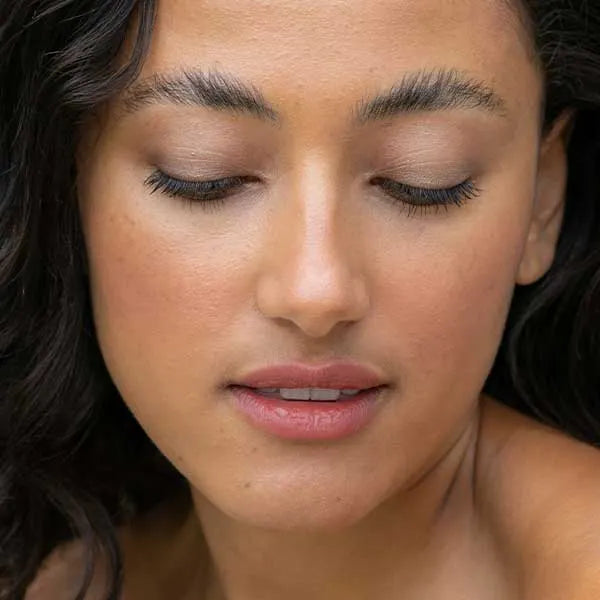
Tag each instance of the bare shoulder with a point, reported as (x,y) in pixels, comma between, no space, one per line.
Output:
(539,490)
(60,575)
(157,550)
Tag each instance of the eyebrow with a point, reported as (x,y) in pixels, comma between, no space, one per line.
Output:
(212,89)
(430,91)
(423,90)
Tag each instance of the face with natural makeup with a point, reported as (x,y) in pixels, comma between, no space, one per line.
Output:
(313,254)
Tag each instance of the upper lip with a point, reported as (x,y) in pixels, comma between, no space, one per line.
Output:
(333,375)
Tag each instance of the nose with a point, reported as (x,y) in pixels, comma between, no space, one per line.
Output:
(312,275)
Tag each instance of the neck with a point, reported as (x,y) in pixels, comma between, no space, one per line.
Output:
(406,539)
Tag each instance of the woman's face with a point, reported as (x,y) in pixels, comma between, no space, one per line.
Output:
(312,259)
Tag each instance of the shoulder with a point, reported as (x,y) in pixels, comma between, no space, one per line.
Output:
(155,547)
(60,575)
(539,490)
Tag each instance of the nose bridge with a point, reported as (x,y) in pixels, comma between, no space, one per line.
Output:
(312,276)
(315,235)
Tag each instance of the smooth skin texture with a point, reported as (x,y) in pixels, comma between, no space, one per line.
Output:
(447,494)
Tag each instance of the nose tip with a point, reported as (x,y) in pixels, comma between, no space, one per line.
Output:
(315,299)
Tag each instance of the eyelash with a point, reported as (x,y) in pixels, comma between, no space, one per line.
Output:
(212,194)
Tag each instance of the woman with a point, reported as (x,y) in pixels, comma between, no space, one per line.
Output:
(299,299)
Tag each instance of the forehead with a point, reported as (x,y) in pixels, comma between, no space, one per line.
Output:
(282,28)
(332,50)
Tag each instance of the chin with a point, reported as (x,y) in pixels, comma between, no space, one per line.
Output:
(292,510)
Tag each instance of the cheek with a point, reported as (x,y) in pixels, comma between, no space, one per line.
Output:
(447,304)
(164,296)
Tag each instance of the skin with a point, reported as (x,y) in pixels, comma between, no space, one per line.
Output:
(310,263)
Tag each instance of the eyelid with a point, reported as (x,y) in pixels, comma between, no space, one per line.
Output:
(424,189)
(158,180)
(414,199)
(213,192)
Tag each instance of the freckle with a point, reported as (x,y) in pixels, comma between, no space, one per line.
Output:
(247,484)
(338,499)
(130,220)
(254,449)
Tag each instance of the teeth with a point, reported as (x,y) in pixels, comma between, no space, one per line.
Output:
(296,393)
(322,394)
(308,393)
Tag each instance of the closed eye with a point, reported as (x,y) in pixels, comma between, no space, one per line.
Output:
(213,193)
(423,199)
(195,191)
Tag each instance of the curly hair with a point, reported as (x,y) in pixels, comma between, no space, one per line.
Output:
(74,462)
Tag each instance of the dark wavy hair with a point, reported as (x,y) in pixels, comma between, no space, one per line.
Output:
(74,462)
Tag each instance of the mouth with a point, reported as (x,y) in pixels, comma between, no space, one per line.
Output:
(308,413)
(310,394)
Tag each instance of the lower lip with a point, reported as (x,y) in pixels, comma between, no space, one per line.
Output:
(302,420)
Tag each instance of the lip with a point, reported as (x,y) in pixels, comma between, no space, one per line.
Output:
(307,420)
(332,375)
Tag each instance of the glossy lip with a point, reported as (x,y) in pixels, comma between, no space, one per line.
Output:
(308,420)
(333,375)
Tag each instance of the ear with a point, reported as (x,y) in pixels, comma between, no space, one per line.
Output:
(549,202)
